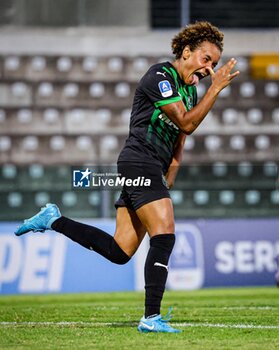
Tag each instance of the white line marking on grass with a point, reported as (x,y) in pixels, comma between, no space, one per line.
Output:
(220,325)
(249,307)
(62,323)
(122,324)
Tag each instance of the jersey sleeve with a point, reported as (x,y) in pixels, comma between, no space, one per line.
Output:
(159,87)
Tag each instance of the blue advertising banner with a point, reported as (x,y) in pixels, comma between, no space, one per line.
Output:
(229,252)
(186,265)
(49,262)
(207,253)
(240,252)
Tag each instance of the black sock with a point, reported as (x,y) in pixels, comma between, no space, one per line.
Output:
(156,271)
(91,238)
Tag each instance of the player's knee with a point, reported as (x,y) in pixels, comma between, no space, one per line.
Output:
(169,227)
(121,260)
(163,226)
(117,255)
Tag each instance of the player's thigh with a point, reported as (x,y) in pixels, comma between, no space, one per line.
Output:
(157,216)
(129,231)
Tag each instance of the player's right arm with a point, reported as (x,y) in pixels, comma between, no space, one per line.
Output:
(188,121)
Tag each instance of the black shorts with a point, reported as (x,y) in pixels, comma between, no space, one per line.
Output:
(142,191)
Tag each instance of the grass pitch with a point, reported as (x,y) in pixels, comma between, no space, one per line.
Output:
(242,318)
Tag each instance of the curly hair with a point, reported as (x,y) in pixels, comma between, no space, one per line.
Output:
(194,34)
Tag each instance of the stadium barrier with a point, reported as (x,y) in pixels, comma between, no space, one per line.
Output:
(207,253)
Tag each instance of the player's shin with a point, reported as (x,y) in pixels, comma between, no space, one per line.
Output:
(156,271)
(91,238)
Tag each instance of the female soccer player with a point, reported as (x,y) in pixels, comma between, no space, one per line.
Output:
(165,110)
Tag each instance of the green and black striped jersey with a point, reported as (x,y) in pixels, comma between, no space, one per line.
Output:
(153,135)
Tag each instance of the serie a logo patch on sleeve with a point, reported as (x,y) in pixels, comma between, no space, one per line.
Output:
(165,88)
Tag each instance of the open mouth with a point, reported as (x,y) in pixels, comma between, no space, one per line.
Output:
(196,77)
(200,75)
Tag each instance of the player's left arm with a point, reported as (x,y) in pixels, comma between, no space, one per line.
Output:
(176,160)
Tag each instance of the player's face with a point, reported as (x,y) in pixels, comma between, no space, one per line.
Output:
(196,63)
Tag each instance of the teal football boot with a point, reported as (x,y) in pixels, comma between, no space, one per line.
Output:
(41,221)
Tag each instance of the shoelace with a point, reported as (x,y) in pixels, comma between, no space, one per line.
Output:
(168,316)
